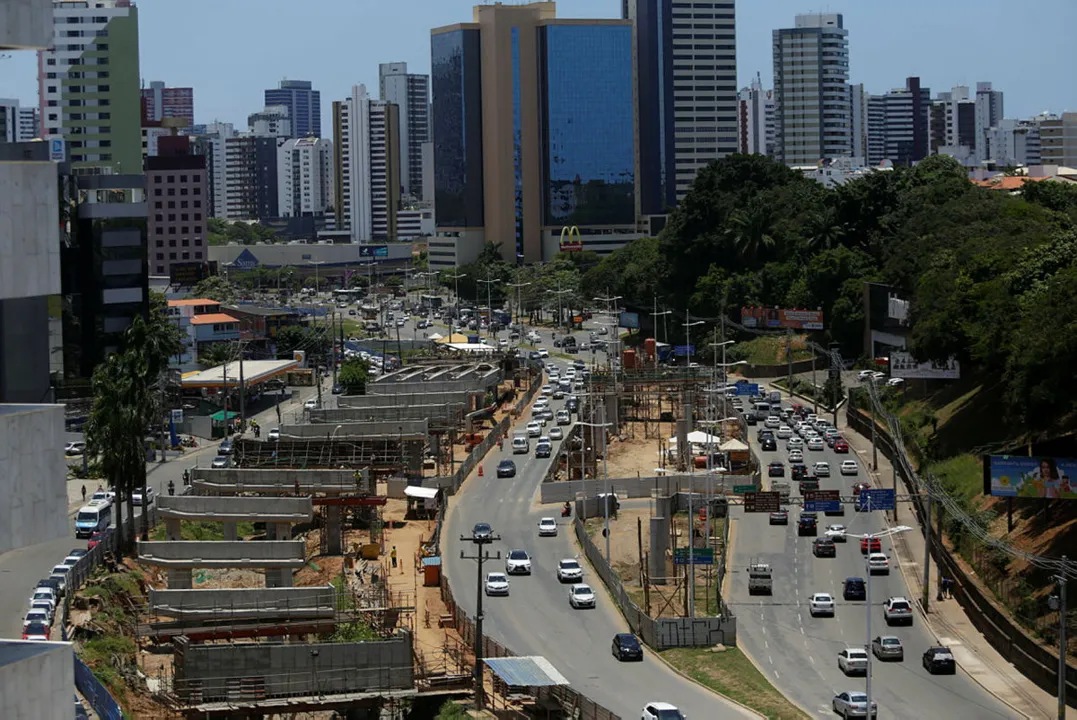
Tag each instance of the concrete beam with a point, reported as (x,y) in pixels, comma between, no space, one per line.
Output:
(402,398)
(212,508)
(187,554)
(434,386)
(244,602)
(387,413)
(387,430)
(230,481)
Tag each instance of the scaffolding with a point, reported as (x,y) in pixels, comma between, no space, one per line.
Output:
(381,455)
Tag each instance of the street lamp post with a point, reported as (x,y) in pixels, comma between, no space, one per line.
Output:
(558,292)
(656,315)
(688,325)
(456,290)
(519,301)
(606,478)
(489,306)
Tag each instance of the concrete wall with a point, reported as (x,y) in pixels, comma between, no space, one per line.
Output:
(236,509)
(37,679)
(24,351)
(252,601)
(233,480)
(404,428)
(386,413)
(559,492)
(296,669)
(33,477)
(462,385)
(26,24)
(194,553)
(30,239)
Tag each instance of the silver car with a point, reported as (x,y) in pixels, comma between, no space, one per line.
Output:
(887,647)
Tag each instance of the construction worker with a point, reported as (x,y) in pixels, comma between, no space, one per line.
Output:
(84,492)
(392,555)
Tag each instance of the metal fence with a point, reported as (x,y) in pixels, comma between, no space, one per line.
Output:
(96,694)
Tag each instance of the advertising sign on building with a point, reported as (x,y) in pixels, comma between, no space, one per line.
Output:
(570,239)
(373,251)
(57,151)
(904,365)
(1030,477)
(781,318)
(629,320)
(187,274)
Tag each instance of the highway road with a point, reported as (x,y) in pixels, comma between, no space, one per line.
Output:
(536,619)
(798,652)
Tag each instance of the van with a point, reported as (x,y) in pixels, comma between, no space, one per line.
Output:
(762,409)
(775,397)
(91,519)
(520,445)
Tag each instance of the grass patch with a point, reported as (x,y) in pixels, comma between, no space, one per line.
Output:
(344,598)
(961,475)
(202,531)
(353,632)
(767,350)
(733,675)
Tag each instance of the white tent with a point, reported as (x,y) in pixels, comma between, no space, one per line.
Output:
(732,445)
(698,437)
(435,336)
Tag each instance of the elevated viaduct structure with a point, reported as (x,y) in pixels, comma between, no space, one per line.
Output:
(278,558)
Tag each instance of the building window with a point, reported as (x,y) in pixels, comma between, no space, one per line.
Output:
(186,242)
(171,191)
(183,203)
(171,204)
(160,269)
(172,217)
(171,178)
(171,243)
(159,218)
(186,256)
(160,243)
(198,216)
(157,193)
(171,256)
(186,230)
(160,256)
(198,256)
(198,191)
(183,218)
(183,191)
(183,178)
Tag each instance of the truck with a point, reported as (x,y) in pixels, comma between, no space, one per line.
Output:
(759,579)
(782,488)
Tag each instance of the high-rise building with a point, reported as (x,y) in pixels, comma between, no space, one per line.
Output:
(304,177)
(1015,142)
(17,122)
(89,84)
(210,144)
(304,106)
(175,103)
(988,116)
(29,123)
(177,195)
(898,124)
(686,76)
(271,121)
(411,94)
(858,121)
(755,117)
(366,166)
(811,77)
(1058,140)
(958,117)
(251,177)
(533,132)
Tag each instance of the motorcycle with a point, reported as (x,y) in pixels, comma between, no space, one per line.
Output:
(566,511)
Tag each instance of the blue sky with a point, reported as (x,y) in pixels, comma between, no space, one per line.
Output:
(231,50)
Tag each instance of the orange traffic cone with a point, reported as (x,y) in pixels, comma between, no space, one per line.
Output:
(480,470)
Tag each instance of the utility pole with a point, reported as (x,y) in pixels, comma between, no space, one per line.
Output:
(333,340)
(874,447)
(242,390)
(926,594)
(161,418)
(519,299)
(789,357)
(814,388)
(481,556)
(1061,579)
(224,381)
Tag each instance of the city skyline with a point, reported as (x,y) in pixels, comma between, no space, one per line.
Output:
(881,52)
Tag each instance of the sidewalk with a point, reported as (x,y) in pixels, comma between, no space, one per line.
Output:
(945,619)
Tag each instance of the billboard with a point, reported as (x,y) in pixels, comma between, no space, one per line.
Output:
(781,318)
(629,320)
(1030,477)
(572,243)
(373,251)
(904,365)
(187,274)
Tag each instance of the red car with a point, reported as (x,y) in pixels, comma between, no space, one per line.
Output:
(97,538)
(35,631)
(857,487)
(870,545)
(840,446)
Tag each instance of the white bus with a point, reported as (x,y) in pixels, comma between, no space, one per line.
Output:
(91,518)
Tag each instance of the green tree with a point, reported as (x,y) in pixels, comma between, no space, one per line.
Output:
(215,287)
(353,376)
(1053,195)
(216,354)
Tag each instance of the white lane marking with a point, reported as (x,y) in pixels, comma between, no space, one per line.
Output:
(766,645)
(811,659)
(777,676)
(764,629)
(801,629)
(770,659)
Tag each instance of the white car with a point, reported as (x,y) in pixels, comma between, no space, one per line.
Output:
(796,455)
(864,375)
(816,443)
(43,594)
(878,563)
(534,428)
(773,422)
(569,570)
(854,704)
(45,606)
(878,376)
(221,461)
(36,616)
(75,448)
(849,467)
(563,417)
(543,352)
(556,433)
(547,389)
(785,432)
(547,527)
(897,610)
(661,711)
(895,382)
(102,497)
(821,604)
(853,660)
(581,595)
(143,496)
(497,583)
(518,563)
(821,469)
(794,443)
(311,404)
(274,434)
(836,533)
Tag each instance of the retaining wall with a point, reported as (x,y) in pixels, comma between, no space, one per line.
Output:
(350,402)
(641,487)
(236,509)
(773,371)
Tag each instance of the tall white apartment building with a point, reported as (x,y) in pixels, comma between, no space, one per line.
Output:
(273,121)
(19,123)
(211,143)
(304,176)
(988,116)
(366,166)
(811,88)
(410,92)
(756,119)
(858,120)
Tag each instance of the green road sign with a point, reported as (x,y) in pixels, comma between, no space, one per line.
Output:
(741,489)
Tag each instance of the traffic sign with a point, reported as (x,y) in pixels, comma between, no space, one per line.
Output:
(748,389)
(876,499)
(741,489)
(761,502)
(680,350)
(701,556)
(822,500)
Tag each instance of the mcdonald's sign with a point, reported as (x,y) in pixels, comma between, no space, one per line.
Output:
(573,243)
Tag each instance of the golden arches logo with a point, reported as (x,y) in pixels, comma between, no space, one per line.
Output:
(571,245)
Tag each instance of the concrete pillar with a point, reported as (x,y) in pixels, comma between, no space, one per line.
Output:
(172,528)
(284,530)
(180,579)
(414,454)
(334,533)
(656,561)
(279,578)
(231,531)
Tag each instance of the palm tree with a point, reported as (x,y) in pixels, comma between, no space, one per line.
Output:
(749,229)
(825,231)
(217,354)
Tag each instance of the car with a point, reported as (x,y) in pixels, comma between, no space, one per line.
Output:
(750,418)
(854,588)
(807,482)
(795,456)
(569,570)
(559,394)
(939,660)
(581,595)
(44,595)
(824,547)
(806,524)
(661,711)
(870,544)
(518,562)
(547,527)
(36,631)
(72,560)
(97,538)
(794,443)
(543,450)
(821,469)
(830,440)
(853,660)
(74,448)
(779,517)
(543,353)
(274,434)
(821,604)
(520,445)
(627,646)
(36,616)
(853,703)
(497,583)
(338,389)
(784,432)
(768,444)
(77,552)
(482,532)
(836,533)
(895,382)
(60,573)
(776,469)
(44,605)
(864,375)
(815,444)
(849,467)
(311,404)
(221,461)
(547,390)
(773,422)
(547,414)
(534,428)
(858,486)
(763,434)
(102,497)
(564,417)
(799,471)
(897,610)
(142,495)
(878,564)
(506,469)
(556,433)
(888,647)
(841,446)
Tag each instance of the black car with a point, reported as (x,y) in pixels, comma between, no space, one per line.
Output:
(506,469)
(824,547)
(52,583)
(572,405)
(338,389)
(750,418)
(807,524)
(763,434)
(482,531)
(626,646)
(854,588)
(768,444)
(939,660)
(798,472)
(776,469)
(542,450)
(809,483)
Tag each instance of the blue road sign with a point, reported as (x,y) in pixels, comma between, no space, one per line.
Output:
(701,556)
(822,501)
(876,499)
(748,389)
(681,350)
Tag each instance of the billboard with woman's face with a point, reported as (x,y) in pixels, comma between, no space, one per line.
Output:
(1030,477)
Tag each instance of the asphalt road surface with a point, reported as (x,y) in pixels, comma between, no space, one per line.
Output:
(798,652)
(536,619)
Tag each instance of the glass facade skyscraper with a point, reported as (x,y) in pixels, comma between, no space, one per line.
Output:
(587,134)
(304,106)
(456,84)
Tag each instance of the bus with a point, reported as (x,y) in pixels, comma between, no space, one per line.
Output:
(432,302)
(91,518)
